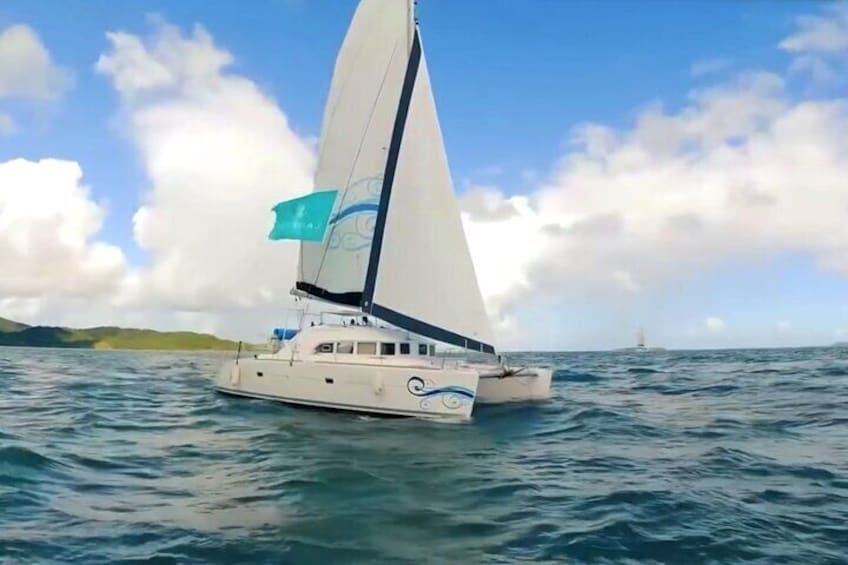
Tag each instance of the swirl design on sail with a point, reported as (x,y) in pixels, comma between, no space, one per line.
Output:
(353,224)
(452,397)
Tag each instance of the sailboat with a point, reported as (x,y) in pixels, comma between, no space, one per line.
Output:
(381,240)
(640,344)
(640,340)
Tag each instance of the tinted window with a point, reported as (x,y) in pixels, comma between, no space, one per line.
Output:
(422,349)
(366,348)
(404,349)
(344,347)
(387,349)
(432,350)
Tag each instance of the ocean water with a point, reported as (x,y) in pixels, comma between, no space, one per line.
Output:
(696,457)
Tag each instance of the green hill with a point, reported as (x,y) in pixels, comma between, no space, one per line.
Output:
(17,334)
(11,326)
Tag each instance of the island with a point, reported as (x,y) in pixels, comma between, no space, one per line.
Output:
(107,337)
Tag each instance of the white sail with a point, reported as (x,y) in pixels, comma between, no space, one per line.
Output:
(357,127)
(424,279)
(395,245)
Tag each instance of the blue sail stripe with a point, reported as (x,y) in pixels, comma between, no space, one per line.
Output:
(461,391)
(389,174)
(358,208)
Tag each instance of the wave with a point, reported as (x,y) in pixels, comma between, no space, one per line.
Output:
(725,456)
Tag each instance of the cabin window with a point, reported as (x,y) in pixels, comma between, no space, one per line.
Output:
(324,348)
(387,348)
(344,347)
(366,348)
(432,350)
(404,349)
(422,349)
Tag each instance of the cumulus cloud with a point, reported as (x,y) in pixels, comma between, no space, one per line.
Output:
(820,46)
(715,324)
(486,204)
(824,33)
(818,69)
(744,171)
(47,227)
(26,69)
(219,153)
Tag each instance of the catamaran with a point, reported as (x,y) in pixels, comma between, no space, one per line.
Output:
(381,237)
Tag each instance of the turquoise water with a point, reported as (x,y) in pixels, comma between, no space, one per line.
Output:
(723,457)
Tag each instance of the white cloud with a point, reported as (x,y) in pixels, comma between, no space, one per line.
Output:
(20,309)
(820,46)
(7,124)
(626,281)
(784,326)
(819,70)
(825,33)
(484,203)
(743,172)
(715,324)
(219,154)
(47,225)
(504,240)
(26,69)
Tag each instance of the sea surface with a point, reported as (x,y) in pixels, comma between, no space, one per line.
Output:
(667,457)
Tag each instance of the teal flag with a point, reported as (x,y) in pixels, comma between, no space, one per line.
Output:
(303,218)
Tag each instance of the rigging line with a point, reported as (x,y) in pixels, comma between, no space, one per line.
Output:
(328,119)
(514,372)
(346,80)
(356,159)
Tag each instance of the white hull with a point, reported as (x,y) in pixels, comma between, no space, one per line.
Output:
(380,389)
(375,389)
(526,386)
(377,370)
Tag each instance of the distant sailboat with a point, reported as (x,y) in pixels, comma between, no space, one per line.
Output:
(640,344)
(382,237)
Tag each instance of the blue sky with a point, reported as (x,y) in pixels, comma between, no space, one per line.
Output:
(513,80)
(510,82)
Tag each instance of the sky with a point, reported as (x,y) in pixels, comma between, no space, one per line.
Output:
(681,167)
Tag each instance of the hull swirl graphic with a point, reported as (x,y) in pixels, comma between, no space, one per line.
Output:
(452,397)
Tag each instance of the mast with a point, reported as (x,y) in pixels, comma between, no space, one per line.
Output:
(410,25)
(419,278)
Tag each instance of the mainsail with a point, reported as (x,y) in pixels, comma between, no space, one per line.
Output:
(357,128)
(395,245)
